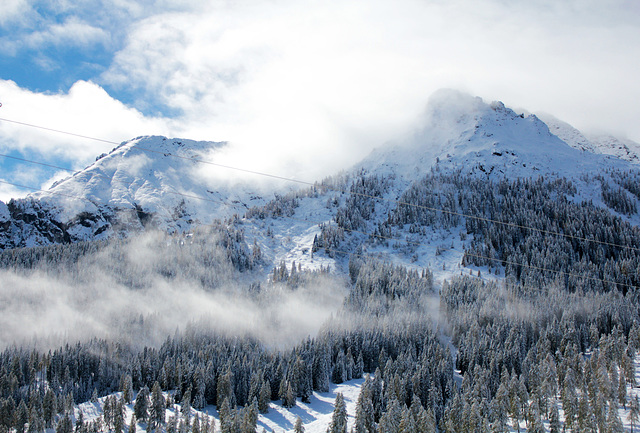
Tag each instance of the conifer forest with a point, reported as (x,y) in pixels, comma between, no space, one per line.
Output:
(547,341)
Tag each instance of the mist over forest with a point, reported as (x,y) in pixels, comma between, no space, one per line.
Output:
(142,289)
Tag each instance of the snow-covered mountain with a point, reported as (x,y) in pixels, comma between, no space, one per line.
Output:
(460,135)
(600,144)
(153,181)
(464,132)
(145,182)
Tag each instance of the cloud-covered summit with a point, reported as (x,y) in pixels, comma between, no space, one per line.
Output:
(300,89)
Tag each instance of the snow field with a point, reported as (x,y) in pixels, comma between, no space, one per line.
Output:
(316,415)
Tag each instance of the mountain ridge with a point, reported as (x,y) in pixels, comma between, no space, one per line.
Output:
(151,181)
(490,139)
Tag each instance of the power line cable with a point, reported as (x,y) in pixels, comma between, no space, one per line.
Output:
(344,191)
(31,125)
(42,190)
(37,162)
(201,161)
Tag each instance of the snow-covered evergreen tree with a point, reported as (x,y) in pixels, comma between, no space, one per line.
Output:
(339,418)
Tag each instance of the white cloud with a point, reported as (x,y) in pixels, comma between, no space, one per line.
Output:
(305,89)
(85,110)
(11,10)
(72,32)
(7,192)
(309,85)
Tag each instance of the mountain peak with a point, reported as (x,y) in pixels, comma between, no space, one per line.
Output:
(464,132)
(168,146)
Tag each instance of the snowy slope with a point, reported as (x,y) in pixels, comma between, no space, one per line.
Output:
(145,182)
(489,139)
(600,144)
(458,132)
(159,176)
(315,415)
(156,182)
(485,140)
(620,148)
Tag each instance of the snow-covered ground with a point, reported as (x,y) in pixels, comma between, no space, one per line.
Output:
(290,239)
(315,415)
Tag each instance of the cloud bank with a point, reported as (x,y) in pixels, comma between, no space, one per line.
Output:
(144,289)
(302,89)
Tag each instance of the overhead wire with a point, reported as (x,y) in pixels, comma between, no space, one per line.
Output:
(340,190)
(343,191)
(36,162)
(201,161)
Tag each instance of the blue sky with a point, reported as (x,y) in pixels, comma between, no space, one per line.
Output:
(298,88)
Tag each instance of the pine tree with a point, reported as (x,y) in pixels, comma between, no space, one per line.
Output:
(376,393)
(298,427)
(204,424)
(286,394)
(108,411)
(431,425)
(339,373)
(391,419)
(21,417)
(49,406)
(199,389)
(289,399)
(634,412)
(365,422)
(126,386)
(500,406)
(172,424)
(68,402)
(515,405)
(225,389)
(185,407)
(158,406)
(195,425)
(614,423)
(554,419)
(339,418)
(264,397)
(420,416)
(80,424)
(183,426)
(65,425)
(622,390)
(534,422)
(212,426)
(585,417)
(118,416)
(255,383)
(321,369)
(141,406)
(408,423)
(133,423)
(227,417)
(249,418)
(36,423)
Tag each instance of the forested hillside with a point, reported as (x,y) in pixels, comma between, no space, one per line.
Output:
(482,278)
